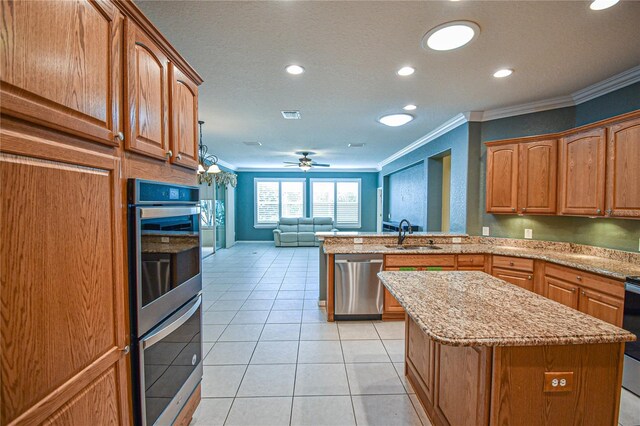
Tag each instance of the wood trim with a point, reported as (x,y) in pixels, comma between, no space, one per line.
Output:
(134,14)
(330,287)
(185,416)
(569,132)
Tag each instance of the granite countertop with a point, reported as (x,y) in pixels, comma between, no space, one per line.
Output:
(174,248)
(461,308)
(322,235)
(600,265)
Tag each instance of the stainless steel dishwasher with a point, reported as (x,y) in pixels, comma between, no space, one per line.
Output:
(358,291)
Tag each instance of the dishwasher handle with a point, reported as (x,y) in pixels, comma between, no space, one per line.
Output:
(358,261)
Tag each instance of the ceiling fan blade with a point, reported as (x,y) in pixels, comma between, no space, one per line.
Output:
(320,165)
(291,162)
(291,165)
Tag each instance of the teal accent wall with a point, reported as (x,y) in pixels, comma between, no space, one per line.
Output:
(456,142)
(407,191)
(612,233)
(244,209)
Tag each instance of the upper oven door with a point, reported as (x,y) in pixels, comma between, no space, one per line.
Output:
(631,320)
(168,272)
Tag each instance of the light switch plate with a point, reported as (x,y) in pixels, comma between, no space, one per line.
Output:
(528,233)
(456,240)
(357,241)
(485,231)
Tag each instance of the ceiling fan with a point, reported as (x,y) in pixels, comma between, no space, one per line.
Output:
(305,163)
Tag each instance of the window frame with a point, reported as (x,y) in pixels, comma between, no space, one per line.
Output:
(256,224)
(335,199)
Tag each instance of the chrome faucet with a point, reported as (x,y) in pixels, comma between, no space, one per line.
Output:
(402,234)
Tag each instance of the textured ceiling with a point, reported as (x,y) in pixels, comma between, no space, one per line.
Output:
(351,51)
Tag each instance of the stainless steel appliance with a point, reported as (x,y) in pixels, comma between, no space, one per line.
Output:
(631,322)
(358,291)
(165,292)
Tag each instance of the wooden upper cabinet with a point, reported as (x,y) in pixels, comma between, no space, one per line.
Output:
(537,173)
(147,90)
(623,169)
(184,120)
(502,178)
(582,173)
(60,66)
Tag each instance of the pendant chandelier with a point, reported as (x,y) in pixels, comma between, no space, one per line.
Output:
(207,163)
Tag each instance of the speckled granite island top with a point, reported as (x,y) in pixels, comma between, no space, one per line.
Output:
(475,309)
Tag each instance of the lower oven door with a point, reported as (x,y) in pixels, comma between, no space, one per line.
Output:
(170,361)
(631,322)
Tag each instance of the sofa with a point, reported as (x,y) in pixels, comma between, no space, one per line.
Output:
(300,232)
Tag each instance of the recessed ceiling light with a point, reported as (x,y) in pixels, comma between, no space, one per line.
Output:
(405,71)
(409,107)
(602,4)
(504,72)
(355,145)
(395,120)
(294,69)
(451,35)
(291,115)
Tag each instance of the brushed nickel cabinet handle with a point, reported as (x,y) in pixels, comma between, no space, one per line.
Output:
(609,212)
(598,211)
(119,136)
(513,209)
(583,293)
(530,277)
(579,278)
(179,156)
(510,263)
(573,290)
(125,350)
(169,154)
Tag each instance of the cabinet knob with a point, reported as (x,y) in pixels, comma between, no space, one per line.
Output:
(583,293)
(573,290)
(169,154)
(119,136)
(179,156)
(524,209)
(510,263)
(610,212)
(598,211)
(579,278)
(530,277)
(125,350)
(513,209)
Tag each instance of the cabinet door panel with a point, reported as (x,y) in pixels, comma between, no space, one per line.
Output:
(390,303)
(521,279)
(184,116)
(420,350)
(561,291)
(147,91)
(538,166)
(604,307)
(60,65)
(502,179)
(62,292)
(582,173)
(623,170)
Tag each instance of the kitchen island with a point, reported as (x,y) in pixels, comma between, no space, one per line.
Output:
(481,351)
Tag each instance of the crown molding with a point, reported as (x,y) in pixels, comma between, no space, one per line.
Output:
(313,170)
(438,131)
(528,108)
(609,85)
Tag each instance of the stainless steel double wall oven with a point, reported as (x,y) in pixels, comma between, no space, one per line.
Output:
(165,293)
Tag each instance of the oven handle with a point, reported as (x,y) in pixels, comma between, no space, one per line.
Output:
(633,288)
(172,323)
(156,212)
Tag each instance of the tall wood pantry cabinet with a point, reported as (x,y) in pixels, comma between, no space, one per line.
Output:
(92,95)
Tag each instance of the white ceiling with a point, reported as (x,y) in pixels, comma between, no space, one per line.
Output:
(351,51)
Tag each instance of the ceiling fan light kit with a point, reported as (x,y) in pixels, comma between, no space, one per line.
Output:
(305,163)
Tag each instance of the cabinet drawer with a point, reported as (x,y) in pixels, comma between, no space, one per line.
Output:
(585,279)
(517,263)
(471,260)
(420,260)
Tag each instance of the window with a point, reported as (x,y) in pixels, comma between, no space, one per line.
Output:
(275,198)
(338,199)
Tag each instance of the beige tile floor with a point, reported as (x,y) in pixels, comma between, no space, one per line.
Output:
(270,357)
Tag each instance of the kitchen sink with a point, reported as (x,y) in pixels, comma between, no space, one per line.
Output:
(414,247)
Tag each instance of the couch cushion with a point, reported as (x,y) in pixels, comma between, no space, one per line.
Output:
(306,236)
(323,221)
(323,228)
(288,221)
(288,228)
(289,237)
(305,225)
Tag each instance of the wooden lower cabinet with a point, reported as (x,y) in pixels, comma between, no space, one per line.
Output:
(602,306)
(62,290)
(561,291)
(469,385)
(519,278)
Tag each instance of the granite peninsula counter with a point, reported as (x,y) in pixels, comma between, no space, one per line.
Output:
(481,351)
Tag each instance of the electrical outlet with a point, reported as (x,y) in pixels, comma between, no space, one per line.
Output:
(485,231)
(528,233)
(456,240)
(558,381)
(357,241)
(638,244)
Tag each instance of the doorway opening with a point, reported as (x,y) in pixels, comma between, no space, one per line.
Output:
(221,216)
(207,219)
(439,192)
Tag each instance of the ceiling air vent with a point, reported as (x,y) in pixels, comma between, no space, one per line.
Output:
(291,115)
(252,143)
(355,145)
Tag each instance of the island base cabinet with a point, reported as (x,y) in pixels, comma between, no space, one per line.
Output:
(474,385)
